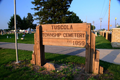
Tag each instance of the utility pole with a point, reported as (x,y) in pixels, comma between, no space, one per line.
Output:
(117,25)
(86,19)
(16,46)
(115,22)
(93,25)
(100,22)
(109,15)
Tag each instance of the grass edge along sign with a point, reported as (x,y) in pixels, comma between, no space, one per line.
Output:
(72,34)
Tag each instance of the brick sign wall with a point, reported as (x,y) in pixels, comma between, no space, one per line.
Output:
(115,37)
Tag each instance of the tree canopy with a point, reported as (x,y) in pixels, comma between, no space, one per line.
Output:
(73,18)
(92,27)
(0,0)
(51,11)
(18,22)
(25,23)
(118,26)
(30,20)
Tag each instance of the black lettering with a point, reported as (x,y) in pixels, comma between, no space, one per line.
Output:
(58,27)
(67,27)
(70,35)
(48,34)
(64,26)
(79,43)
(43,35)
(75,34)
(83,43)
(52,26)
(80,35)
(53,35)
(83,35)
(61,26)
(55,27)
(71,27)
(73,42)
(58,34)
(64,34)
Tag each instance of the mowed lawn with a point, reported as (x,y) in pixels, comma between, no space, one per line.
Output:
(28,39)
(101,42)
(8,72)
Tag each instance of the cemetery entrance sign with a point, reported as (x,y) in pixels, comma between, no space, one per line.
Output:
(74,35)
(64,35)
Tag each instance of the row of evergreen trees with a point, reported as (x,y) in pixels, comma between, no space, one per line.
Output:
(25,23)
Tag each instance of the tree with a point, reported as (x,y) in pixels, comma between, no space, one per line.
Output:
(73,19)
(119,1)
(51,11)
(92,27)
(18,22)
(0,1)
(6,30)
(30,20)
(24,23)
(118,26)
(34,26)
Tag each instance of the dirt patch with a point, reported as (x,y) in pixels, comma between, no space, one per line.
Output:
(76,71)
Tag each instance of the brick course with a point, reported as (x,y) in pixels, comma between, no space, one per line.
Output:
(115,37)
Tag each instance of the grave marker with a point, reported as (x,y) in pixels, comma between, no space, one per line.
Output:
(1,32)
(95,33)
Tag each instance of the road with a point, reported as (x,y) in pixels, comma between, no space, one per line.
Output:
(109,55)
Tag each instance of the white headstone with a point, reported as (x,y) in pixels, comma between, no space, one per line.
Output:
(22,38)
(1,33)
(17,36)
(7,36)
(23,35)
(95,33)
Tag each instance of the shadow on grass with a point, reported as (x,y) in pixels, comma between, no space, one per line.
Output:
(76,52)
(105,65)
(60,53)
(61,58)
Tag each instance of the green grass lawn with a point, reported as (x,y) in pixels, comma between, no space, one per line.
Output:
(101,42)
(28,39)
(7,56)
(8,73)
